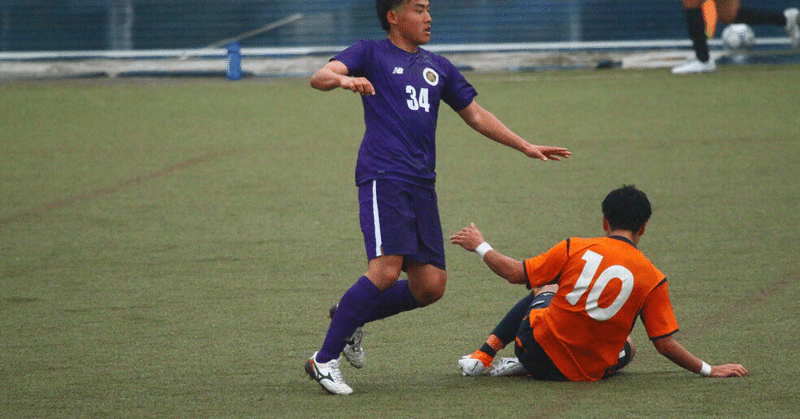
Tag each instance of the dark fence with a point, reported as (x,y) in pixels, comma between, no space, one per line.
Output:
(69,25)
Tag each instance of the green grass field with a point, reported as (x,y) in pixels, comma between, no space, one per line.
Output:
(170,248)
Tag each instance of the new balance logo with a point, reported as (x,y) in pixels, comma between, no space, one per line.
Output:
(397,70)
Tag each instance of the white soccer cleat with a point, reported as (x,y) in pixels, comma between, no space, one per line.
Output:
(508,367)
(695,66)
(471,367)
(327,375)
(793,25)
(353,350)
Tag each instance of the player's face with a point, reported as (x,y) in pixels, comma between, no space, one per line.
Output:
(414,22)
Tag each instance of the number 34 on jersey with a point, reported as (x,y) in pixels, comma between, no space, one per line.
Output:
(418,101)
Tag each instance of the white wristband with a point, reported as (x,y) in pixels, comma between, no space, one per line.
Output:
(482,249)
(705,371)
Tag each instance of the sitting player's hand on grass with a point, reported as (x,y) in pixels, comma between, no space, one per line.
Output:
(728,370)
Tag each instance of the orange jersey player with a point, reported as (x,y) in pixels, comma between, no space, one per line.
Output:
(597,302)
(576,327)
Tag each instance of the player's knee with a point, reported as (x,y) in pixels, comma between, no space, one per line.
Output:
(431,291)
(429,297)
(389,273)
(384,272)
(383,278)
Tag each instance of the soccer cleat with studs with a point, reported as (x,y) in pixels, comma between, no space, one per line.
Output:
(353,351)
(508,367)
(327,375)
(695,66)
(471,367)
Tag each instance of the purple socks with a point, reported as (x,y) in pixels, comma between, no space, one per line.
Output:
(396,299)
(361,304)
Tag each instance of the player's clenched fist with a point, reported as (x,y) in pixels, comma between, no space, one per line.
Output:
(358,85)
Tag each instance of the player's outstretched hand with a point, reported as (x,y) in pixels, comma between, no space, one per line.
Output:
(358,85)
(728,370)
(544,153)
(468,237)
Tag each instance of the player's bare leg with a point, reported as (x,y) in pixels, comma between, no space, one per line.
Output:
(426,282)
(385,270)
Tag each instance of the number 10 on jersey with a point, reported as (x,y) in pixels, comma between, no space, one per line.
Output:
(582,285)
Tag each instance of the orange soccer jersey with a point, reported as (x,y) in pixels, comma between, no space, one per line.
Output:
(604,284)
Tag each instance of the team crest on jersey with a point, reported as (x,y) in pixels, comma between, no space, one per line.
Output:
(430,76)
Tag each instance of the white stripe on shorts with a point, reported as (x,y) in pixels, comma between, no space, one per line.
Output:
(376,219)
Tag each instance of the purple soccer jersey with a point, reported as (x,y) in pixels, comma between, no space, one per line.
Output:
(400,138)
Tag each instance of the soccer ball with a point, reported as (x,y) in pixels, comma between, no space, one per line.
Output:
(738,37)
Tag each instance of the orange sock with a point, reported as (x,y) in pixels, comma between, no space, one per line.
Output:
(489,349)
(483,356)
(495,343)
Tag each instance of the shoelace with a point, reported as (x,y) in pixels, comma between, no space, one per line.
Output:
(336,373)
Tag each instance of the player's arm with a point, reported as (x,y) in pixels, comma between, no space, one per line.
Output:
(659,321)
(487,124)
(675,352)
(335,74)
(470,238)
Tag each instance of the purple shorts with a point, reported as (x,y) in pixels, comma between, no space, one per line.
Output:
(399,218)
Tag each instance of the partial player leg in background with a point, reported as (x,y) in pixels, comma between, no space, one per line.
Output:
(696,26)
(729,11)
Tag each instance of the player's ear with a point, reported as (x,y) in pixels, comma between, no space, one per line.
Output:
(392,17)
(641,230)
(606,226)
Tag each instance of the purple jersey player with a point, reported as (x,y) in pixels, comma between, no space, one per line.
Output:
(401,87)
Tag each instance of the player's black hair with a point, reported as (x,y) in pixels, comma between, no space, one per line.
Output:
(627,208)
(383,7)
